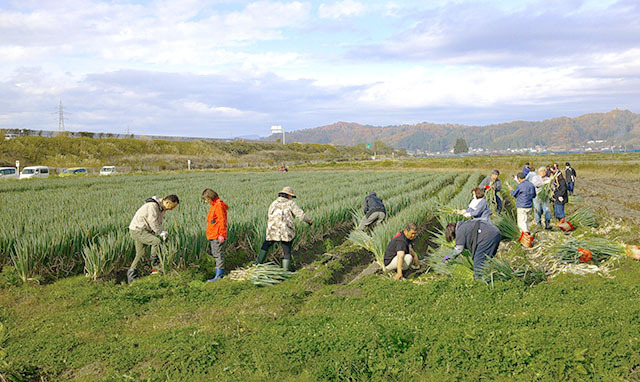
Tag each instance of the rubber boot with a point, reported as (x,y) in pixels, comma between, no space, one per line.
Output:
(262,256)
(286,264)
(219,273)
(131,275)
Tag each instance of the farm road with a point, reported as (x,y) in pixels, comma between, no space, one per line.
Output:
(616,197)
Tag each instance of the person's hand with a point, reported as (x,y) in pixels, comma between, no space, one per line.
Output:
(446,259)
(510,188)
(398,276)
(310,222)
(221,239)
(466,215)
(560,198)
(164,235)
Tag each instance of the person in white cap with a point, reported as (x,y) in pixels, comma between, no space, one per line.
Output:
(281,225)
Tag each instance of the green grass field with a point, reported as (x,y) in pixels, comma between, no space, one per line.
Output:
(316,325)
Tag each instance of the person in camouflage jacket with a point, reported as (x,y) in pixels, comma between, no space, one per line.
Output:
(281,225)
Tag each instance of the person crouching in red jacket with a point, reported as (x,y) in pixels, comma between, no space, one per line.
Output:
(216,229)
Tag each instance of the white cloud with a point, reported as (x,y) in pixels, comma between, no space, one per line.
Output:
(202,108)
(473,87)
(345,8)
(191,34)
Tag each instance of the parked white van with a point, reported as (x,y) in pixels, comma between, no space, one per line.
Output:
(108,170)
(34,172)
(8,173)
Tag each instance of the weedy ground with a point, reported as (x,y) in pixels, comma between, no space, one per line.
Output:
(314,327)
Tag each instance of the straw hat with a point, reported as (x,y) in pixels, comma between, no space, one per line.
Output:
(288,191)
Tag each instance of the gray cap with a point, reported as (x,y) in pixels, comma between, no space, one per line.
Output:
(495,171)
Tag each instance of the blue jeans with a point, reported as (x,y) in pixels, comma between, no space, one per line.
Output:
(539,208)
(570,186)
(558,210)
(498,203)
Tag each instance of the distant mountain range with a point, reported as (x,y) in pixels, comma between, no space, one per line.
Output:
(616,126)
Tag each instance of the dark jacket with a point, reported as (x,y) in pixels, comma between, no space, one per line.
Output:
(372,203)
(559,187)
(497,185)
(570,174)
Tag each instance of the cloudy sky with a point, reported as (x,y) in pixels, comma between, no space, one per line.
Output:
(230,68)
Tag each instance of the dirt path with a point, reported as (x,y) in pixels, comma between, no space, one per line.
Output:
(619,198)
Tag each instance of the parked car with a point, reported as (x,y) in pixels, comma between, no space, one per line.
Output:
(8,173)
(74,171)
(34,172)
(108,170)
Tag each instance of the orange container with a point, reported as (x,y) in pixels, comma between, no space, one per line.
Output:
(526,239)
(633,251)
(585,255)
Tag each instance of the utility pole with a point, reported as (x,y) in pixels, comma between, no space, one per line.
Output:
(60,118)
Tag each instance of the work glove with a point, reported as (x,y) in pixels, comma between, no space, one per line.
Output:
(310,222)
(164,235)
(560,198)
(221,239)
(446,258)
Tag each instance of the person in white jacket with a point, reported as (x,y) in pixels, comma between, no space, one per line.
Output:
(145,225)
(539,179)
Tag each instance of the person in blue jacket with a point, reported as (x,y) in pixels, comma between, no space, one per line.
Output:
(526,169)
(524,194)
(478,208)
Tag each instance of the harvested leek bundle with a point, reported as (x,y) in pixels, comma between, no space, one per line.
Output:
(376,242)
(434,260)
(508,227)
(584,217)
(583,250)
(261,274)
(545,193)
(490,196)
(461,272)
(446,210)
(497,269)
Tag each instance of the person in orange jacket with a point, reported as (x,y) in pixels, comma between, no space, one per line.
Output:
(216,229)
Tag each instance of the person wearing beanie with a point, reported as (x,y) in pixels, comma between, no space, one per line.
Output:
(146,231)
(570,177)
(374,211)
(492,183)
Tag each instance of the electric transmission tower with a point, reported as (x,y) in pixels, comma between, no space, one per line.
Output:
(60,118)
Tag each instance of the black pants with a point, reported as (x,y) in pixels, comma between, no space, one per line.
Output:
(286,247)
(484,252)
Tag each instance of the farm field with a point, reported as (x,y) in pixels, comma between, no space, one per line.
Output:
(59,324)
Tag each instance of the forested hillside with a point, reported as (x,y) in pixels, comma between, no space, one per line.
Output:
(617,126)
